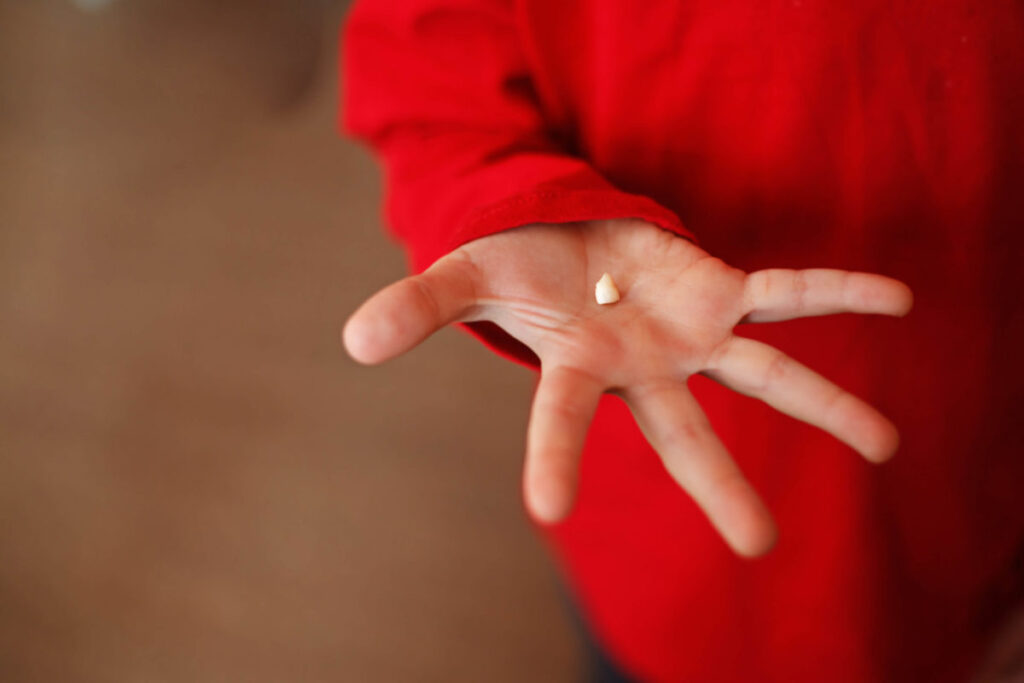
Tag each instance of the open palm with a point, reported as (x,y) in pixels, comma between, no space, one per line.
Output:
(676,317)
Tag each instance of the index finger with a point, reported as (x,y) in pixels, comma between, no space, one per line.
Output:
(563,407)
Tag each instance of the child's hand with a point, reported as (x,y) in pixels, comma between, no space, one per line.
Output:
(676,317)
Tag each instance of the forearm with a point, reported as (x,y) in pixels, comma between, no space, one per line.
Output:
(443,97)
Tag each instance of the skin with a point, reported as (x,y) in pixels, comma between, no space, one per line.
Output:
(676,317)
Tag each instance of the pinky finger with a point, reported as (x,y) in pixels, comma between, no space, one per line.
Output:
(563,407)
(780,294)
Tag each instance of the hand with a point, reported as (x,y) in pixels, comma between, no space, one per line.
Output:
(676,317)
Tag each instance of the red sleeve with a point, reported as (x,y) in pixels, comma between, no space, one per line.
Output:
(441,90)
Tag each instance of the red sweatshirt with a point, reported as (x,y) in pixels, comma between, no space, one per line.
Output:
(884,136)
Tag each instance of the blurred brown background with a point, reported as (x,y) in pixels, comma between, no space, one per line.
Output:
(195,483)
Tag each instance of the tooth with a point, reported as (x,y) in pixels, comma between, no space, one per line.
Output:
(605,291)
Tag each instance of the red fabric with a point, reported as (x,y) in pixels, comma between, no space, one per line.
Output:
(881,136)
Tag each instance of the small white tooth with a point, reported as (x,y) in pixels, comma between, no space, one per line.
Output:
(605,291)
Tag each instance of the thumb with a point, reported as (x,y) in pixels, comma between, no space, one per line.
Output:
(403,314)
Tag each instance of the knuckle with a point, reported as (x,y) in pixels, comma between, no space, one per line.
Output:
(799,290)
(682,435)
(722,480)
(776,370)
(426,298)
(847,290)
(563,411)
(762,284)
(835,400)
(713,360)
